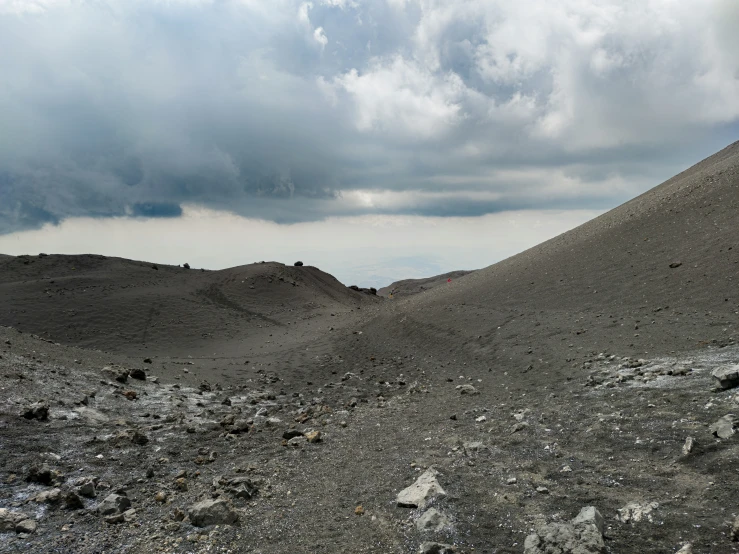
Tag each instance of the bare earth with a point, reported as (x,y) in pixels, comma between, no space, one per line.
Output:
(589,359)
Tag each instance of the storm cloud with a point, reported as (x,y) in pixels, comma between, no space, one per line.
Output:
(293,111)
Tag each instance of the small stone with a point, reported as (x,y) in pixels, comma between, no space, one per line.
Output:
(72,501)
(161,497)
(724,427)
(421,493)
(634,512)
(114,504)
(314,436)
(211,512)
(291,434)
(735,530)
(542,490)
(688,446)
(512,481)
(433,521)
(86,489)
(137,437)
(51,496)
(180,484)
(27,526)
(437,548)
(687,548)
(10,519)
(130,394)
(359,510)
(139,374)
(37,410)
(467,389)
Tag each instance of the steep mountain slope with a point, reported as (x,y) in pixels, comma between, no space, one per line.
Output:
(657,274)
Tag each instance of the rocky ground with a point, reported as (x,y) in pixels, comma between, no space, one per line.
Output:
(99,455)
(580,397)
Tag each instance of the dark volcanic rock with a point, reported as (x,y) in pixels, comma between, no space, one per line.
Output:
(37,410)
(114,504)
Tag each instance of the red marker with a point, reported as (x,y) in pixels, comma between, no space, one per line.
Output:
(449,280)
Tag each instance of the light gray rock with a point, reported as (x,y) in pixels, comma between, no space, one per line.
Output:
(688,446)
(735,529)
(724,427)
(437,548)
(467,389)
(114,504)
(27,526)
(10,519)
(421,493)
(582,535)
(211,512)
(635,512)
(433,521)
(687,548)
(727,376)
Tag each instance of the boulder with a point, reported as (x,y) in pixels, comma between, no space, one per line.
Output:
(582,535)
(139,374)
(727,376)
(421,493)
(298,263)
(433,521)
(211,512)
(114,504)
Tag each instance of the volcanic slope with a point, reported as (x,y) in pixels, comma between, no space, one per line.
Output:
(409,287)
(655,275)
(143,309)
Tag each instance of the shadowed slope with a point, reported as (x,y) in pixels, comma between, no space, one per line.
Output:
(409,287)
(124,305)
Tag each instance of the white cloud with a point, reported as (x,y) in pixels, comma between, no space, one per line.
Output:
(320,36)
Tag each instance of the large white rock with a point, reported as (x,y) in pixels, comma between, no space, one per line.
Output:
(421,493)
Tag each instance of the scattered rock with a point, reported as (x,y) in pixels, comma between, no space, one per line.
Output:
(186,265)
(86,488)
(291,434)
(314,436)
(421,493)
(688,446)
(211,512)
(359,510)
(9,520)
(161,497)
(437,548)
(735,530)
(51,496)
(724,427)
(72,501)
(27,526)
(130,394)
(139,374)
(239,487)
(467,389)
(43,475)
(727,376)
(114,504)
(124,517)
(115,374)
(583,535)
(674,265)
(37,410)
(298,263)
(634,512)
(687,548)
(433,521)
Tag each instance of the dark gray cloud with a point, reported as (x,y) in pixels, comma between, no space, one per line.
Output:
(295,111)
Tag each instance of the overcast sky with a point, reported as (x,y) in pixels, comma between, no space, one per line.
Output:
(334,125)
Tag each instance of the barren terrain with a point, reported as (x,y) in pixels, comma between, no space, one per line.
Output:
(576,374)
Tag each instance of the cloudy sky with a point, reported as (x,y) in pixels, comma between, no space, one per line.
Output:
(379,139)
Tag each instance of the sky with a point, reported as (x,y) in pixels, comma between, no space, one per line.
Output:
(378,139)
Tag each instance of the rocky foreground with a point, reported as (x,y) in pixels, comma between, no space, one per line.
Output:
(102,456)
